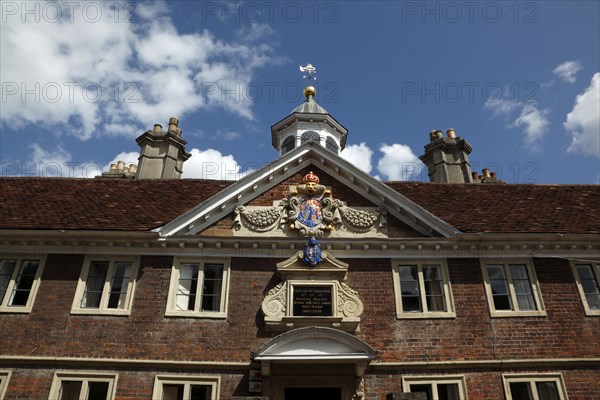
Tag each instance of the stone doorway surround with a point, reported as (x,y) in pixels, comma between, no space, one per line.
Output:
(312,357)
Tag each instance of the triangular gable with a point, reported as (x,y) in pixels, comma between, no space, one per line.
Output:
(251,186)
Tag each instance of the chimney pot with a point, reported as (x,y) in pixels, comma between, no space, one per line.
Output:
(475,175)
(121,165)
(432,136)
(113,167)
(451,134)
(493,175)
(173,124)
(178,131)
(157,128)
(486,172)
(439,134)
(125,169)
(133,168)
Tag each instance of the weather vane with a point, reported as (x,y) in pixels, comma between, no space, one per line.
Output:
(310,71)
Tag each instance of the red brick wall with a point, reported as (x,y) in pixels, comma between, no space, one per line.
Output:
(50,330)
(486,384)
(482,384)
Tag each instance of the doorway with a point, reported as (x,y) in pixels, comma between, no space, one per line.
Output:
(327,393)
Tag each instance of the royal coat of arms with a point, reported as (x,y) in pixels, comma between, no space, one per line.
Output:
(311,211)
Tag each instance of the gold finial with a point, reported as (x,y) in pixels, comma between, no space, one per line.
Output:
(309,90)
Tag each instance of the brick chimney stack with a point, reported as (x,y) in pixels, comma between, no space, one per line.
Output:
(447,158)
(162,154)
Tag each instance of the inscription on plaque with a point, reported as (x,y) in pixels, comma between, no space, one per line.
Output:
(312,301)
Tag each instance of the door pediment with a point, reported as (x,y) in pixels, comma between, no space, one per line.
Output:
(314,343)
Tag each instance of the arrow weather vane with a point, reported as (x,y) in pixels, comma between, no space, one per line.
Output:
(310,71)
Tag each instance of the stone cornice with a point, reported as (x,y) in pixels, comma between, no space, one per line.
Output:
(586,246)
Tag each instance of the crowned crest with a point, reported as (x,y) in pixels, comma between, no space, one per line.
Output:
(312,252)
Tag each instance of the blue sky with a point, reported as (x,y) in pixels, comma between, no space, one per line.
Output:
(519,80)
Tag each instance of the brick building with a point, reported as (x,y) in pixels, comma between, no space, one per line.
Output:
(307,279)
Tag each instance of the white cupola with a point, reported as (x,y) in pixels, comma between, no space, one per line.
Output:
(308,122)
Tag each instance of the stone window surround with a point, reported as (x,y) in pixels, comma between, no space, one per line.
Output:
(557,378)
(4,308)
(434,380)
(174,283)
(82,282)
(85,377)
(595,265)
(4,378)
(214,381)
(533,281)
(400,314)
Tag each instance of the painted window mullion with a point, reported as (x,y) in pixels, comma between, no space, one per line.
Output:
(199,289)
(11,282)
(422,294)
(106,287)
(83,394)
(434,391)
(511,287)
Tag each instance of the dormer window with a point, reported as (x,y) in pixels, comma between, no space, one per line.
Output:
(288,144)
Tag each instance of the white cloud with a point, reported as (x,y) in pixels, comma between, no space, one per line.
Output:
(567,71)
(501,107)
(398,163)
(359,155)
(583,122)
(531,119)
(211,164)
(56,163)
(534,122)
(91,76)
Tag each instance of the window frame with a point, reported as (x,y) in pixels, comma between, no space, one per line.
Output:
(408,380)
(595,266)
(85,377)
(400,314)
(540,310)
(209,380)
(103,308)
(4,307)
(4,379)
(507,379)
(174,284)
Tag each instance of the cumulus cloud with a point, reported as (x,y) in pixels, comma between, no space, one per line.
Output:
(359,155)
(398,163)
(56,162)
(211,164)
(583,122)
(91,71)
(568,70)
(533,120)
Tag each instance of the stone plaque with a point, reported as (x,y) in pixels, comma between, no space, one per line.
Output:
(313,301)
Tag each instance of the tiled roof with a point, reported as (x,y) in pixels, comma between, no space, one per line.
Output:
(99,204)
(509,208)
(138,205)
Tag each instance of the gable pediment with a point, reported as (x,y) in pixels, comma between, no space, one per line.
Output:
(375,198)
